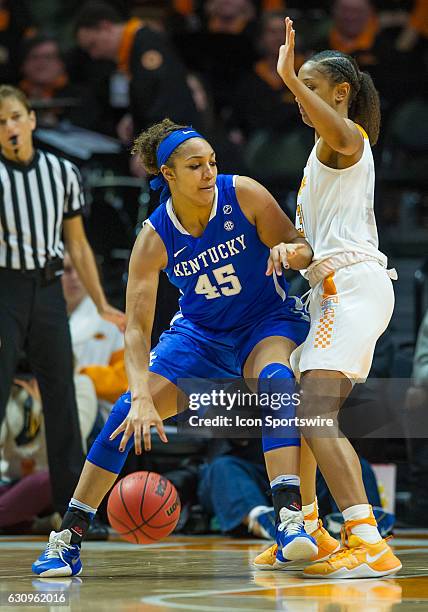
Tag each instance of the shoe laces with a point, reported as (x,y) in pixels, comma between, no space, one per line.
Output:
(341,554)
(293,523)
(346,550)
(55,548)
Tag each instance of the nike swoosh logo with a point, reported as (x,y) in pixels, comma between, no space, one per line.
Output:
(74,561)
(371,559)
(273,373)
(179,251)
(127,401)
(188,132)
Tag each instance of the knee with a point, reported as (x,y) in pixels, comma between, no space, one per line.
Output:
(105,452)
(117,415)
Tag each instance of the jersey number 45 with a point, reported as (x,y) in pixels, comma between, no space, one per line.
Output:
(227,283)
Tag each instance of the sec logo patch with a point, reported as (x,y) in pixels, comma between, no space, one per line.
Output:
(229,225)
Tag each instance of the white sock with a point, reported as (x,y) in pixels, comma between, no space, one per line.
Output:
(368,533)
(288,479)
(311,525)
(75,503)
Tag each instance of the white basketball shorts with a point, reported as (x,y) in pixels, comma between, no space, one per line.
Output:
(349,310)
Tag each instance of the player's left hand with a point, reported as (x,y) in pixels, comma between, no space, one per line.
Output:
(109,313)
(285,65)
(296,256)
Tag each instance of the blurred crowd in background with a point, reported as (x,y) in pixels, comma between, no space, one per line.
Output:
(116,67)
(99,73)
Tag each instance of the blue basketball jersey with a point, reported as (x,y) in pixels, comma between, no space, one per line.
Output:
(220,274)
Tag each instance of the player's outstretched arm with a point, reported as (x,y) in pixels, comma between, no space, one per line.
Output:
(273,225)
(339,133)
(147,259)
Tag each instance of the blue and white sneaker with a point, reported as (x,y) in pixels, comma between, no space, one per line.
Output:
(262,522)
(294,544)
(60,558)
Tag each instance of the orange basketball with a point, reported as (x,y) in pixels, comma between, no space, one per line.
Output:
(143,507)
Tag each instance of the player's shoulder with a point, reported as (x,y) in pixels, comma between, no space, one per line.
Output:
(157,216)
(356,127)
(225,182)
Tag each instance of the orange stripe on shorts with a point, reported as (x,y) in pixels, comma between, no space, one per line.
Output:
(328,286)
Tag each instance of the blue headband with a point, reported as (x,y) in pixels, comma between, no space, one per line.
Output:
(164,152)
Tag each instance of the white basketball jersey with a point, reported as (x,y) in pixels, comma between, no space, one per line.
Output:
(335,209)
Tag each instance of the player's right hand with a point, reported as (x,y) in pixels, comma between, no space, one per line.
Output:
(295,255)
(279,257)
(285,65)
(141,417)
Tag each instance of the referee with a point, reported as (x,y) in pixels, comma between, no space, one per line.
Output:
(41,200)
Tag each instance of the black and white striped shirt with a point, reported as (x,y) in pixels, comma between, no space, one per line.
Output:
(34,200)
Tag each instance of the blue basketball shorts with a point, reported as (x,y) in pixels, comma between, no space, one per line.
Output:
(189,350)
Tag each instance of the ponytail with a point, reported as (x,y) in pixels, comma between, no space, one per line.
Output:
(365,108)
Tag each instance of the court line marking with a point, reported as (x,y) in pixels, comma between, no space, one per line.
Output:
(417,546)
(161,600)
(120,545)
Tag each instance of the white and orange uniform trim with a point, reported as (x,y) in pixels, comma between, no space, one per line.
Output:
(352,299)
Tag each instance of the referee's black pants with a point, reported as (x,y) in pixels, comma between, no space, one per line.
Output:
(33,317)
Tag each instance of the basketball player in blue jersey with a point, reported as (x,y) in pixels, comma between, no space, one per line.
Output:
(211,234)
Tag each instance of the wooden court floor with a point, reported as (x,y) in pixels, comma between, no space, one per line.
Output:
(208,574)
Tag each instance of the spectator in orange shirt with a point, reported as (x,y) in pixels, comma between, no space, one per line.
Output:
(354,29)
(357,30)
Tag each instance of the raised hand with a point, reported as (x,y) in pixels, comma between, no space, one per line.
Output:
(285,65)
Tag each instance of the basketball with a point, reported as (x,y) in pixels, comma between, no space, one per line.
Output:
(143,507)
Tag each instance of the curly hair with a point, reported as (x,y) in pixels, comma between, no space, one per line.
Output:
(147,143)
(364,104)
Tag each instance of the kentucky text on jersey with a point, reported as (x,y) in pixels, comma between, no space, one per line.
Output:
(224,250)
(221,273)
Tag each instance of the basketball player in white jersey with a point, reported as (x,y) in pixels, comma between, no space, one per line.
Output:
(351,300)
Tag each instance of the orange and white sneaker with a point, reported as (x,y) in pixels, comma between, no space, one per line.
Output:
(327,545)
(357,559)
